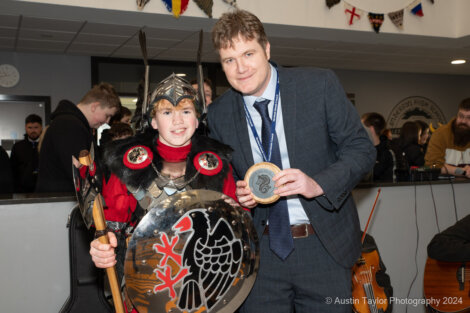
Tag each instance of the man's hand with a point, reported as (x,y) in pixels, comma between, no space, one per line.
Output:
(293,181)
(244,195)
(103,254)
(466,168)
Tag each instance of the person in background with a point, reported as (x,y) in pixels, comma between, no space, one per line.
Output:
(310,238)
(6,178)
(124,115)
(424,138)
(452,244)
(25,157)
(71,132)
(208,92)
(449,146)
(384,164)
(408,152)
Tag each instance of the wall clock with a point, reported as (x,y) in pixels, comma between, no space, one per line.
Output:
(9,75)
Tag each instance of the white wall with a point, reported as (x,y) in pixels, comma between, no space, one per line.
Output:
(57,76)
(443,18)
(69,77)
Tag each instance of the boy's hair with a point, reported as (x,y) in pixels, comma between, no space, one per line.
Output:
(465,105)
(164,104)
(103,93)
(33,118)
(123,111)
(206,80)
(239,22)
(119,130)
(375,120)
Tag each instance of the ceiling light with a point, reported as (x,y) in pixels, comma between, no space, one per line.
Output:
(458,62)
(181,74)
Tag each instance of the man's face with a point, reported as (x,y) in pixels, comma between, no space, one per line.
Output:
(246,66)
(207,92)
(100,115)
(461,128)
(176,125)
(463,119)
(33,130)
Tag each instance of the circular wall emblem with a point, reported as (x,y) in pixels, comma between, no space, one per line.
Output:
(412,109)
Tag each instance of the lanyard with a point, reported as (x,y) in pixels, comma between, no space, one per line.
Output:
(266,154)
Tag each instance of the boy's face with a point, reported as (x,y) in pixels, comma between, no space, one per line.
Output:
(100,115)
(176,125)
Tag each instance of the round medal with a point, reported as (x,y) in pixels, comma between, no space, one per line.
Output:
(259,178)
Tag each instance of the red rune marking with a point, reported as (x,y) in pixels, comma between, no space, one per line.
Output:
(167,250)
(168,282)
(353,13)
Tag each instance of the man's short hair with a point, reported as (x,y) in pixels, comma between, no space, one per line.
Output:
(239,22)
(465,105)
(33,118)
(375,120)
(103,93)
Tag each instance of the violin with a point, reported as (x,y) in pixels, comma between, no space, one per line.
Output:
(368,296)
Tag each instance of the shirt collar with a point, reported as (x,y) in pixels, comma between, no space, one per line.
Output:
(270,91)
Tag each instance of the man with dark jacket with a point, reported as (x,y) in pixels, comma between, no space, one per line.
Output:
(6,180)
(300,120)
(383,168)
(69,133)
(24,156)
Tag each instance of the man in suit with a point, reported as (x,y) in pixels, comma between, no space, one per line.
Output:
(324,151)
(24,156)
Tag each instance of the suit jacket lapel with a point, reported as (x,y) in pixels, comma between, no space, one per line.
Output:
(288,103)
(241,129)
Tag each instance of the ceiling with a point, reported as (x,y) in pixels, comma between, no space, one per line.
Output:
(44,28)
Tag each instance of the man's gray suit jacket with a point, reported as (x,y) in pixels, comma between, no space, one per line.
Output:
(325,139)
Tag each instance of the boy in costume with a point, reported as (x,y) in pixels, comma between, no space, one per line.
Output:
(166,158)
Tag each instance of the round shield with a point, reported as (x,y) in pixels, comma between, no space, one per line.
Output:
(193,252)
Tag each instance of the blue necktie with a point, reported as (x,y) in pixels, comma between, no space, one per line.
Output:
(280,236)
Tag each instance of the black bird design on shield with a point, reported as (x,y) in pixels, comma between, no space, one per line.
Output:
(212,256)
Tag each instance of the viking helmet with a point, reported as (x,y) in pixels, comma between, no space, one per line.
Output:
(174,89)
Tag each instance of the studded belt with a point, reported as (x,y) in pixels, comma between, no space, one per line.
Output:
(298,230)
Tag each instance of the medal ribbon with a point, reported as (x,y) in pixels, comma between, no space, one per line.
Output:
(266,154)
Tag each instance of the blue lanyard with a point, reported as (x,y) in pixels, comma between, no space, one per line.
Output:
(266,154)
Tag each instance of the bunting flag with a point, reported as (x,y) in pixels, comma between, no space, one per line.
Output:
(397,18)
(330,3)
(353,12)
(417,10)
(141,4)
(233,3)
(376,21)
(206,6)
(177,7)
